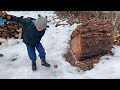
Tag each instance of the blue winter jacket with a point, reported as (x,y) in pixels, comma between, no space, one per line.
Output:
(30,34)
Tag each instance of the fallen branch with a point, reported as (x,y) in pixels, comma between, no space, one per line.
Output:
(60,25)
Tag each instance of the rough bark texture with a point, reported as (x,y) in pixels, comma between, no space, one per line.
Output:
(88,42)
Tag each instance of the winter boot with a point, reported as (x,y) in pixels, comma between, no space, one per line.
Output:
(44,63)
(1,55)
(34,68)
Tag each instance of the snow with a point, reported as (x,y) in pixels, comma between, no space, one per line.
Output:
(55,42)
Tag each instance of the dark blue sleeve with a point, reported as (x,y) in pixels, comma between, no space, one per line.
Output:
(20,20)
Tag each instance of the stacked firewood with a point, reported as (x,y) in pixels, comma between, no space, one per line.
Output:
(89,41)
(10,29)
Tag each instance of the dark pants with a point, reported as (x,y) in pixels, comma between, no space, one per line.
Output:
(32,53)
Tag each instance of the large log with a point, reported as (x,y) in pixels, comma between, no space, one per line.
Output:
(89,41)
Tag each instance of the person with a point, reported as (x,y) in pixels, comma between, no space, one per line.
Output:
(33,31)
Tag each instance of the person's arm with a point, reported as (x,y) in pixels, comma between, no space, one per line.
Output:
(17,19)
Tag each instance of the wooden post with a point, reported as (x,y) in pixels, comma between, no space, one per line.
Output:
(20,34)
(6,42)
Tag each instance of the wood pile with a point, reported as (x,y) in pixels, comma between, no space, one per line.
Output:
(10,29)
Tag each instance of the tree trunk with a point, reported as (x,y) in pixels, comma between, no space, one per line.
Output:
(90,40)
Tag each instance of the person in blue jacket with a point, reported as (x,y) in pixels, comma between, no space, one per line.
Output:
(33,31)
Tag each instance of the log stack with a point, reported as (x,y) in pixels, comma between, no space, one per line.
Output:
(89,41)
(11,30)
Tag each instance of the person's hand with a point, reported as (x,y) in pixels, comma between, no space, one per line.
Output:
(8,17)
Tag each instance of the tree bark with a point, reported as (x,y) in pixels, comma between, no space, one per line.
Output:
(90,40)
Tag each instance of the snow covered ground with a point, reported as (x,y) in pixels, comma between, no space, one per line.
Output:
(55,43)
